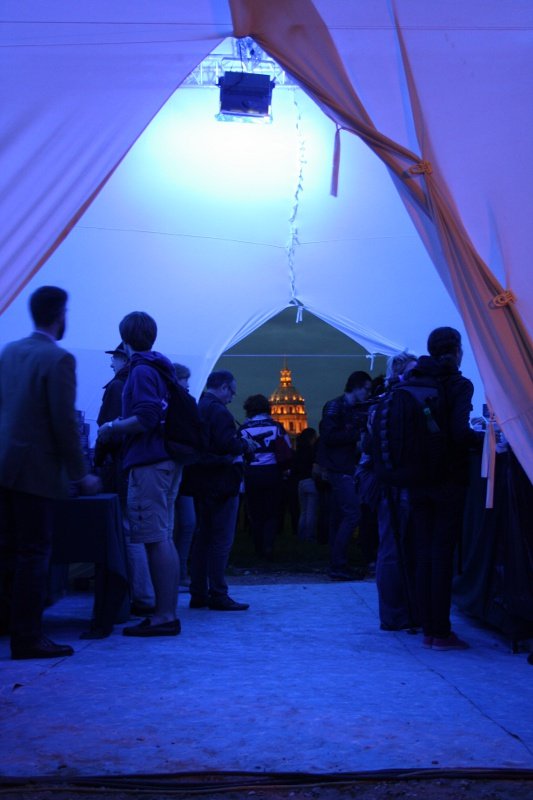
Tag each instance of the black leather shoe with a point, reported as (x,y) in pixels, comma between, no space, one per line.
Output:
(42,648)
(227,604)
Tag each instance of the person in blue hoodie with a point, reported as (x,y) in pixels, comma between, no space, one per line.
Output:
(115,479)
(153,478)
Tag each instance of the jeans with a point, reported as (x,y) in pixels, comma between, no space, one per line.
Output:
(395,571)
(347,513)
(211,546)
(263,488)
(436,518)
(184,527)
(308,497)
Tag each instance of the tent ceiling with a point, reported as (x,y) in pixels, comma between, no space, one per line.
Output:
(196,197)
(214,251)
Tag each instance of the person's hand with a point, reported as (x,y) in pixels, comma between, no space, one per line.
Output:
(90,484)
(478,423)
(502,444)
(105,433)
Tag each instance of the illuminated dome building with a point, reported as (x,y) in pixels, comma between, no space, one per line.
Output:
(288,405)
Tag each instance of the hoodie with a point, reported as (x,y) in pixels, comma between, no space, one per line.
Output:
(145,396)
(458,392)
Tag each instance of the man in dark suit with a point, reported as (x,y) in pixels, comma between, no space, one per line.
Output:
(40,453)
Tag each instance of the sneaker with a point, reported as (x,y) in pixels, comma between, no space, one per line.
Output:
(450,642)
(427,641)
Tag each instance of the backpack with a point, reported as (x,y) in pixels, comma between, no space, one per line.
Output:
(409,437)
(183,431)
(182,428)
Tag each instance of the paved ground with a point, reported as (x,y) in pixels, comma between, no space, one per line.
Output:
(303,682)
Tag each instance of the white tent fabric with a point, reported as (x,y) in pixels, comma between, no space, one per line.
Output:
(215,228)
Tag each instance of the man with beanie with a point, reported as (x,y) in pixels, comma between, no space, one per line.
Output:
(437,509)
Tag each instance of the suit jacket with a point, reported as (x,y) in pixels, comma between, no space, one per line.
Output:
(40,448)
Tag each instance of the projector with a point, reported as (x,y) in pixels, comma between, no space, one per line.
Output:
(245,94)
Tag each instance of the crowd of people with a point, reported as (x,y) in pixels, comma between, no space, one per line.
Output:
(180,518)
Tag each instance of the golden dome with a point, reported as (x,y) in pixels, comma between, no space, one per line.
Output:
(288,405)
(286,392)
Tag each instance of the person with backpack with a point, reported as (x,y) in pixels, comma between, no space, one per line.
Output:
(438,482)
(108,462)
(343,423)
(395,579)
(153,476)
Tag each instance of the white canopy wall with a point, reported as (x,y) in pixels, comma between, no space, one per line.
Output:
(214,228)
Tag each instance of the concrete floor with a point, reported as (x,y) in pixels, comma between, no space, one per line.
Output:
(304,681)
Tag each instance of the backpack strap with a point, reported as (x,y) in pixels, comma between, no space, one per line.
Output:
(382,418)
